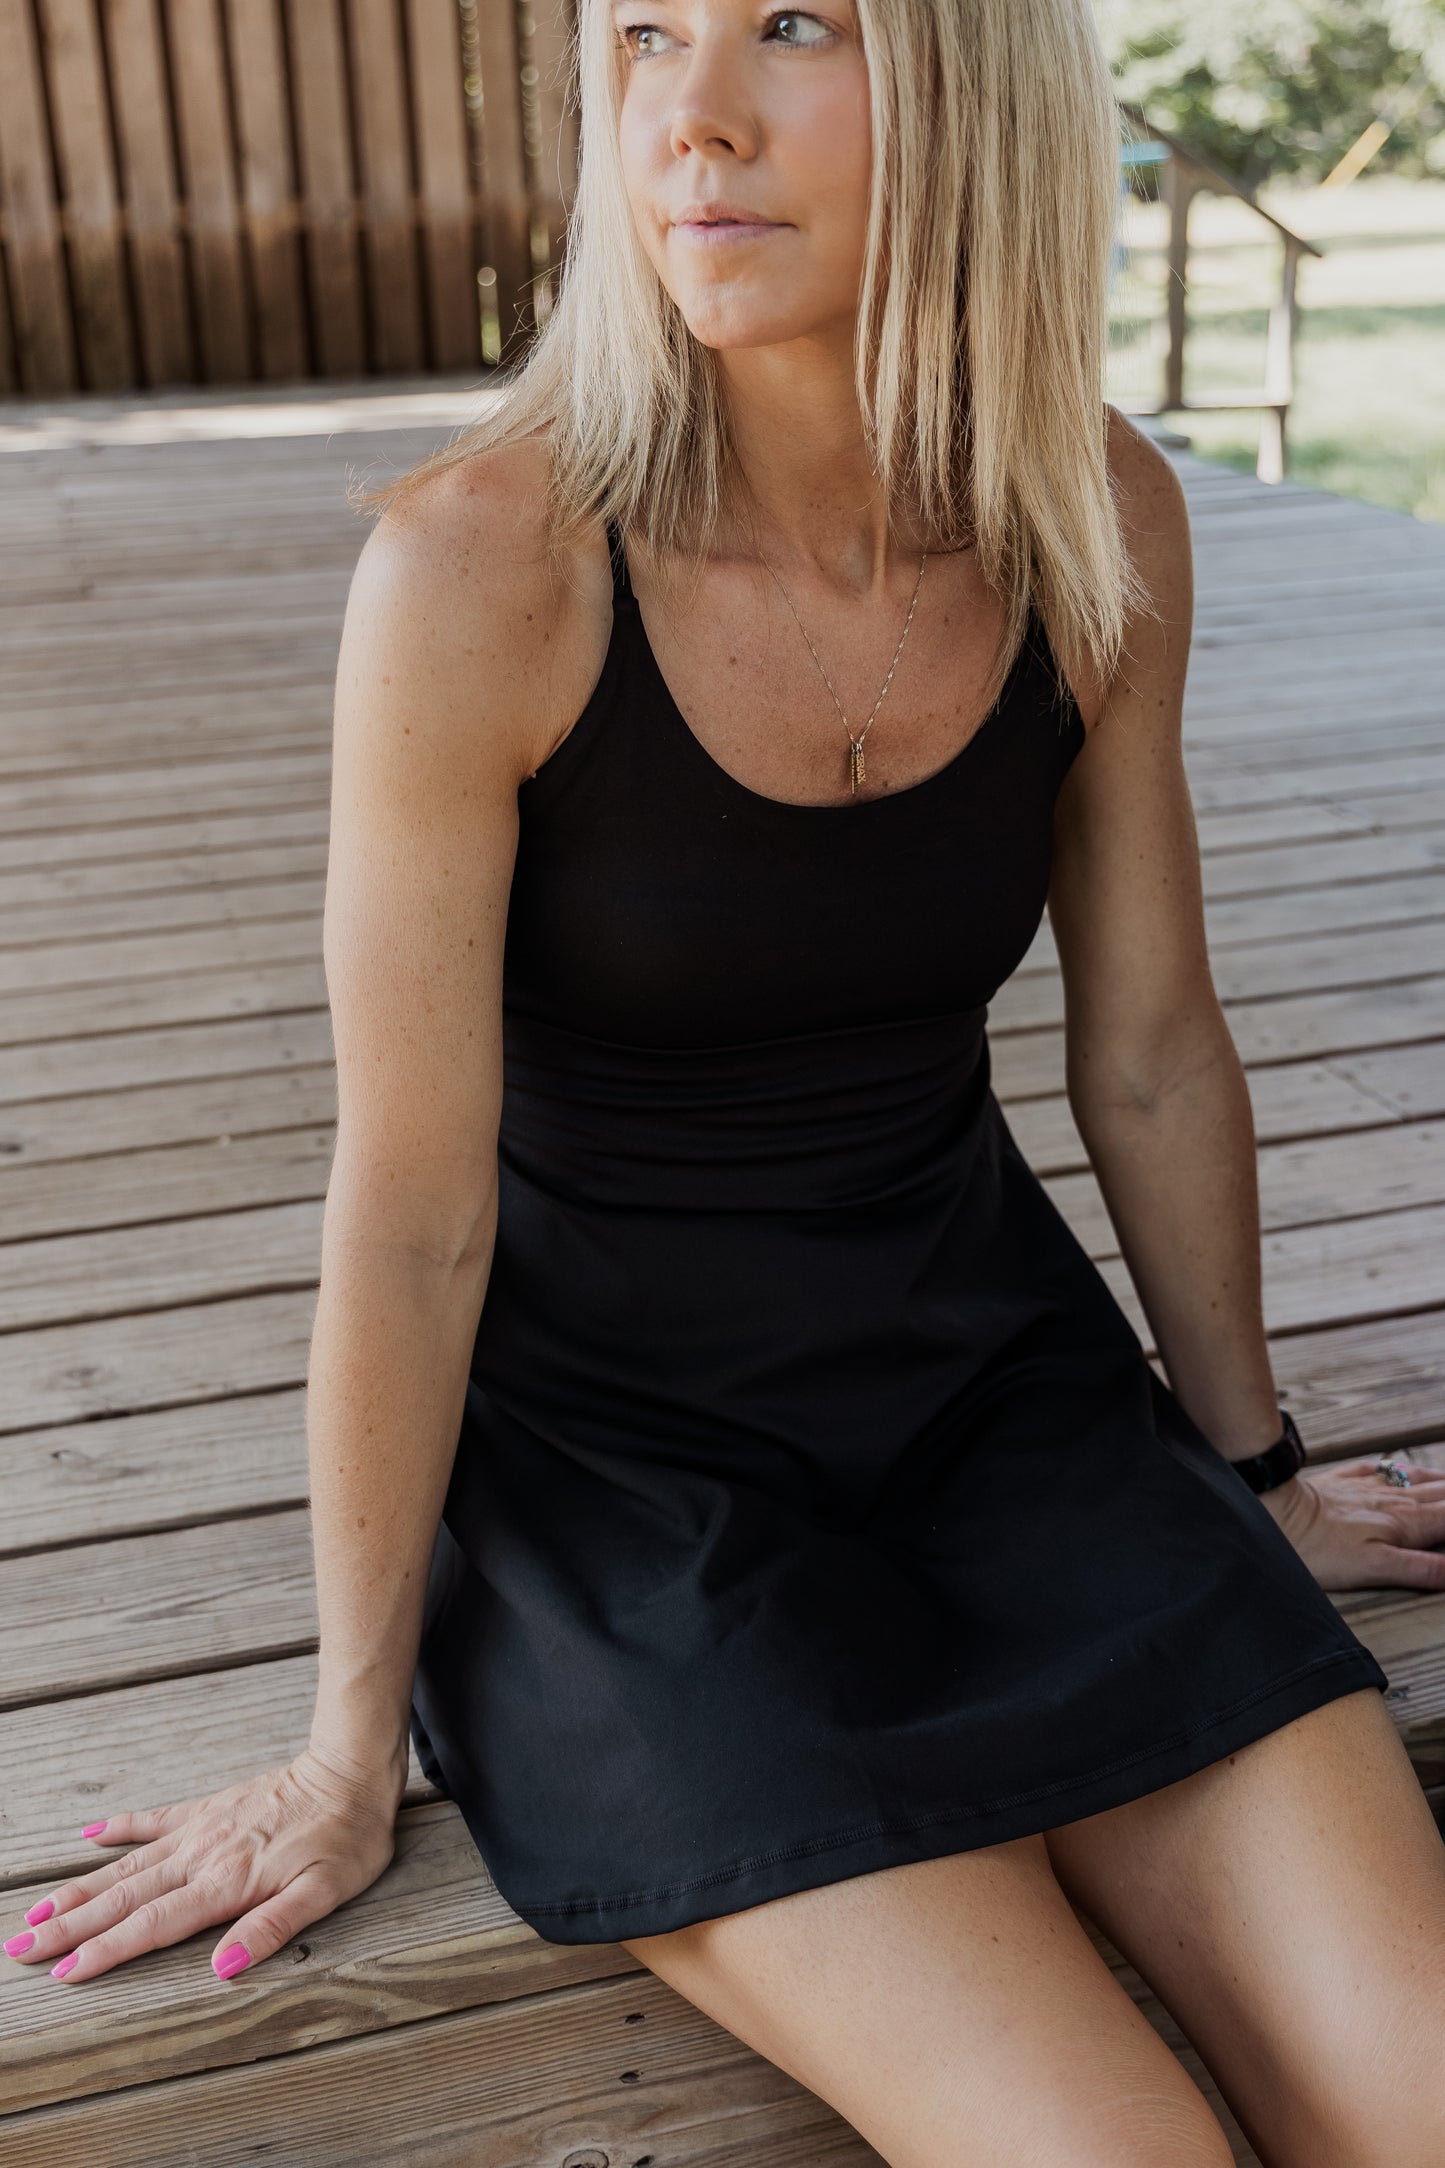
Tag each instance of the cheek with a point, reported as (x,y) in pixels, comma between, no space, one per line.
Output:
(642,143)
(823,151)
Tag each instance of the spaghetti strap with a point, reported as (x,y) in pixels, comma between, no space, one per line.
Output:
(621,583)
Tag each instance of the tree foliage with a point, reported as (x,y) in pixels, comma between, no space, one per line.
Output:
(1272,87)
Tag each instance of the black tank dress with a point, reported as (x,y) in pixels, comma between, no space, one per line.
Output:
(815,1506)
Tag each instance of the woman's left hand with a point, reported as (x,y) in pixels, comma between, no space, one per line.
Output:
(1355,1529)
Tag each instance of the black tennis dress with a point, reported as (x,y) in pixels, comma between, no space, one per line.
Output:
(815,1506)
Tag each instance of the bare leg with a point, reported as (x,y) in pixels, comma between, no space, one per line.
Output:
(955,2012)
(1288,1905)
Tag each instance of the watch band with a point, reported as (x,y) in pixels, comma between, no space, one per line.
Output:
(1278,1462)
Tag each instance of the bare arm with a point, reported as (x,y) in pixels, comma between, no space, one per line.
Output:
(434,729)
(1154,1080)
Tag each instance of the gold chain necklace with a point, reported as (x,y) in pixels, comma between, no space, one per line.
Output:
(855,745)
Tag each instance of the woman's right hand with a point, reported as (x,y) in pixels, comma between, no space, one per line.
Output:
(268,1855)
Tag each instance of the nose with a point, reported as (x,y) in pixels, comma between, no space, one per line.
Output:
(711,112)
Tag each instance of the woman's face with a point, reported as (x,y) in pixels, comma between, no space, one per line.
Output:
(731,106)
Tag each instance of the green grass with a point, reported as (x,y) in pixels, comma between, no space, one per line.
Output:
(1369,414)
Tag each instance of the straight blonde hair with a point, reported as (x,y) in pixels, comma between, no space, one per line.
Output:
(981,329)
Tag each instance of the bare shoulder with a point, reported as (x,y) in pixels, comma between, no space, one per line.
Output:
(446,685)
(455,600)
(1154,519)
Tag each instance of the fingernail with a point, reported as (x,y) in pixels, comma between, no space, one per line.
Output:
(17,1943)
(233,1959)
(58,1972)
(41,1912)
(92,1829)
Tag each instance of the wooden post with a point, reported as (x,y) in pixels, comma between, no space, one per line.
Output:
(1180,187)
(1279,369)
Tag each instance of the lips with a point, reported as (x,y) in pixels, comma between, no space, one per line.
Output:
(720,214)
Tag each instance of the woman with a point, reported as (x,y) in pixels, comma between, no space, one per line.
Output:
(824,1591)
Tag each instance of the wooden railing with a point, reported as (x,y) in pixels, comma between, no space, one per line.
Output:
(223,191)
(1183,176)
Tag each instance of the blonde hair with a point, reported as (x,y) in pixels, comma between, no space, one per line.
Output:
(981,330)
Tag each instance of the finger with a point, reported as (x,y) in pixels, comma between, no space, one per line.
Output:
(137,1825)
(153,1922)
(81,1888)
(1367,1470)
(1400,1566)
(258,1934)
(53,1935)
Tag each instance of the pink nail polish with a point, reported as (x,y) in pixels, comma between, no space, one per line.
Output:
(233,1959)
(17,1944)
(41,1912)
(58,1972)
(92,1829)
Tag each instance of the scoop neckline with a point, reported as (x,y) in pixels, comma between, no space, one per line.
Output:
(733,786)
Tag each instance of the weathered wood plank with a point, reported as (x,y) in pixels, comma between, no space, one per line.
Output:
(157,1606)
(328,204)
(1312,1182)
(73,1373)
(163,1467)
(448,195)
(123,1059)
(1380,1264)
(81,125)
(39,303)
(383,156)
(268,186)
(141,102)
(203,128)
(144,1125)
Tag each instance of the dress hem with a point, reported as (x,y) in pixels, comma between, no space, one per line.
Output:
(930,1836)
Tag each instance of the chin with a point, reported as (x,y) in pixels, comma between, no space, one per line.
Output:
(735,329)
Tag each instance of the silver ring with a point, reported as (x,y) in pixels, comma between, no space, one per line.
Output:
(1394,1473)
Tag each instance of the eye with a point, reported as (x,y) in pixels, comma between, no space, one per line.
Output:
(792,15)
(640,51)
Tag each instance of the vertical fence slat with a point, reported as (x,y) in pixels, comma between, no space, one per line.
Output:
(219,190)
(448,206)
(268,187)
(506,212)
(203,123)
(383,150)
(318,59)
(552,22)
(44,342)
(8,379)
(74,65)
(148,181)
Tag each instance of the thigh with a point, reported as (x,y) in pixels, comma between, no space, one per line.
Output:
(1287,1903)
(955,2012)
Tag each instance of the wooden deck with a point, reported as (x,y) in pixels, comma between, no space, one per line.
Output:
(173,580)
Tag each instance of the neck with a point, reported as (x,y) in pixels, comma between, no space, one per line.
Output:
(804,494)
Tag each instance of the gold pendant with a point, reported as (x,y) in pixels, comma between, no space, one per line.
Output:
(855,768)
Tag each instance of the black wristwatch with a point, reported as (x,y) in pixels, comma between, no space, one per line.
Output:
(1278,1462)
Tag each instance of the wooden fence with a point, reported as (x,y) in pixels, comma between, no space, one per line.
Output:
(226,191)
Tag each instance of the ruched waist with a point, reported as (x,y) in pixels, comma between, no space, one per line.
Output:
(823,1118)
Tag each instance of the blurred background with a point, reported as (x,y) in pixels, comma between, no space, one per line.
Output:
(1331,115)
(209,193)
